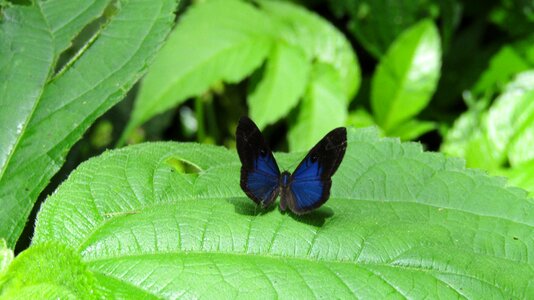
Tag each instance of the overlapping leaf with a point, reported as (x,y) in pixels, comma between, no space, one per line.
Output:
(62,275)
(6,255)
(333,80)
(44,114)
(376,24)
(323,108)
(406,77)
(502,136)
(282,85)
(215,41)
(227,40)
(168,220)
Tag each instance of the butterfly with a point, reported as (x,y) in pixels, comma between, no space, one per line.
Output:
(304,190)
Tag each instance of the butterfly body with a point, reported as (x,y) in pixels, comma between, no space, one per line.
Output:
(304,190)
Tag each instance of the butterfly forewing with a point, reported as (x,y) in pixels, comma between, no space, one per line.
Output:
(259,172)
(310,184)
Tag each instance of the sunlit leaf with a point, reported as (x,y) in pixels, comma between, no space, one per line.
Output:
(44,113)
(48,271)
(6,256)
(397,215)
(412,129)
(282,85)
(323,108)
(406,76)
(501,136)
(214,41)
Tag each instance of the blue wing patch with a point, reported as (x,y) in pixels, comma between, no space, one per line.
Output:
(259,172)
(309,186)
(262,180)
(307,189)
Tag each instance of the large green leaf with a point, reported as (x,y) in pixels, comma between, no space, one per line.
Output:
(169,220)
(32,39)
(406,76)
(43,114)
(216,40)
(500,137)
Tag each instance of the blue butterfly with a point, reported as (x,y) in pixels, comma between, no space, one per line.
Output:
(304,190)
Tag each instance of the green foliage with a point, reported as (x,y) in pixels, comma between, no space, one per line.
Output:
(515,16)
(45,113)
(6,256)
(169,220)
(227,40)
(377,23)
(501,136)
(405,80)
(275,94)
(396,216)
(216,40)
(48,271)
(510,60)
(323,108)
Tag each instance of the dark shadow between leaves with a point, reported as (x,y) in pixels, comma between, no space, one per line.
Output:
(247,207)
(315,218)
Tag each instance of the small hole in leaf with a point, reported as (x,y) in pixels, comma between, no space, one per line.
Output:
(515,238)
(182,166)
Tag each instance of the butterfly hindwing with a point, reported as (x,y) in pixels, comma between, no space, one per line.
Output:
(259,172)
(309,186)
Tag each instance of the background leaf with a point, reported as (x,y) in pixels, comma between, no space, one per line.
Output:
(6,256)
(200,53)
(377,23)
(321,41)
(214,41)
(509,61)
(407,75)
(412,129)
(282,85)
(334,78)
(32,39)
(396,216)
(56,114)
(323,108)
(501,136)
